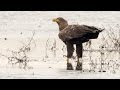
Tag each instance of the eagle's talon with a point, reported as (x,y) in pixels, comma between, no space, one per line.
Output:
(69,66)
(79,66)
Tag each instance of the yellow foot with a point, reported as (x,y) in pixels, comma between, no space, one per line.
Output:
(79,66)
(69,66)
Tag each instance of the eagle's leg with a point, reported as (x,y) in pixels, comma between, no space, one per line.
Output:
(79,64)
(70,50)
(79,51)
(69,65)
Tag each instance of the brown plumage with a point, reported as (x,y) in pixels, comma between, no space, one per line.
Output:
(75,34)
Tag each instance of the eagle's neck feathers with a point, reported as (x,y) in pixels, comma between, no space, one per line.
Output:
(62,25)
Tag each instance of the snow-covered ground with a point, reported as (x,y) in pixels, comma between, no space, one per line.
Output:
(17,27)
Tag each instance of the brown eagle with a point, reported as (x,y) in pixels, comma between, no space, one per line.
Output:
(75,34)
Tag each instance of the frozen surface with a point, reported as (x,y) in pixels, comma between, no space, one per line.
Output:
(18,26)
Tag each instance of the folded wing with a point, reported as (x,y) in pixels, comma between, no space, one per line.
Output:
(79,31)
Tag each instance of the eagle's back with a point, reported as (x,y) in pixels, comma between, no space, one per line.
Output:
(78,31)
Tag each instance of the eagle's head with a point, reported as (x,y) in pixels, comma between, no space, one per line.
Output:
(59,20)
(62,23)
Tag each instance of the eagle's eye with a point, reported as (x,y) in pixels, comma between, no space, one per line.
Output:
(61,19)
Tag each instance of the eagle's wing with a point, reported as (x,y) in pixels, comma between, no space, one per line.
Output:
(76,31)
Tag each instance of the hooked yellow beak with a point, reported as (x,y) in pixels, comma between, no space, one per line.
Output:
(55,20)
